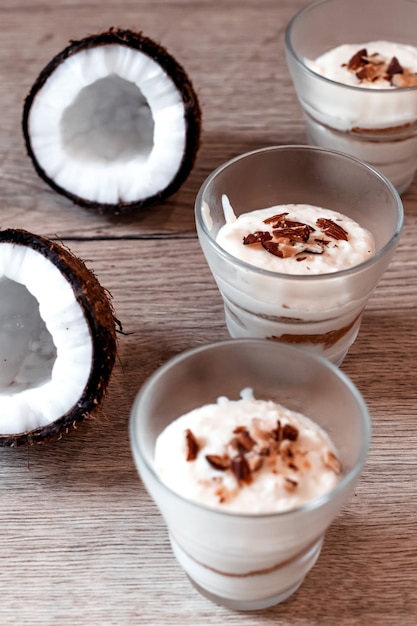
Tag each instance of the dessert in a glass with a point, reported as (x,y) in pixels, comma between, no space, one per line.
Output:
(354,68)
(241,448)
(297,238)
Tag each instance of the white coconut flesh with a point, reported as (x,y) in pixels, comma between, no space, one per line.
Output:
(108,125)
(45,342)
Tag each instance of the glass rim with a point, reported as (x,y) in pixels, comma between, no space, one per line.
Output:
(370,262)
(291,50)
(312,505)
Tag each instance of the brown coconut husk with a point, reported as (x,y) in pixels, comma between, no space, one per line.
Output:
(96,305)
(192,112)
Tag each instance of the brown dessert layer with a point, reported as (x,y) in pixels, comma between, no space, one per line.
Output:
(400,132)
(328,339)
(410,128)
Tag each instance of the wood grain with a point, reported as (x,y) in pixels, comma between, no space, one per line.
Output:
(81,541)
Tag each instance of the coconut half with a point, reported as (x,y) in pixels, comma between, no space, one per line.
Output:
(57,339)
(113,122)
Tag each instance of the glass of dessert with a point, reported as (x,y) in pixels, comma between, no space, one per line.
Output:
(354,68)
(297,238)
(240,446)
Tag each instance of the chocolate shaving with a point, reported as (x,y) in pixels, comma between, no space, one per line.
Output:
(192,445)
(240,468)
(219,462)
(293,224)
(284,223)
(276,433)
(273,248)
(332,229)
(300,232)
(244,441)
(290,432)
(359,59)
(257,237)
(275,218)
(394,67)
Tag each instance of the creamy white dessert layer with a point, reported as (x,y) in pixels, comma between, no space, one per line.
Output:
(247,455)
(296,239)
(363,90)
(372,65)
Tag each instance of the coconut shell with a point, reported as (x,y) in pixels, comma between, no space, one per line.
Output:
(96,305)
(192,112)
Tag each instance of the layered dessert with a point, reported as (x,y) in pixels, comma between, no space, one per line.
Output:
(246,456)
(296,239)
(373,112)
(241,448)
(251,464)
(294,279)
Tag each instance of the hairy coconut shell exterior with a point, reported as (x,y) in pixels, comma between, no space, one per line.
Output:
(96,305)
(192,111)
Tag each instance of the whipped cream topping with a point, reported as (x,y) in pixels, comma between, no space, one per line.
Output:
(295,239)
(372,65)
(377,103)
(246,455)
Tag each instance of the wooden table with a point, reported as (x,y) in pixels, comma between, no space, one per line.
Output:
(81,542)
